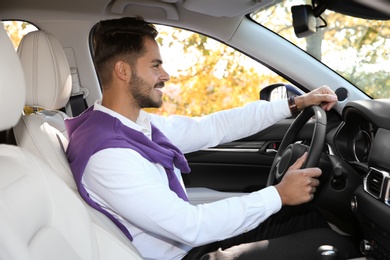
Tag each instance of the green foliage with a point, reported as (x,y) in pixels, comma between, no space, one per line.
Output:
(376,85)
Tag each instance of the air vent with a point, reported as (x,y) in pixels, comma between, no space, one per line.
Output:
(373,182)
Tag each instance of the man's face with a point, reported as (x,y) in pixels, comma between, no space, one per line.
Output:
(148,77)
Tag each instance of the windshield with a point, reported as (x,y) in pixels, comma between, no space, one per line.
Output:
(357,49)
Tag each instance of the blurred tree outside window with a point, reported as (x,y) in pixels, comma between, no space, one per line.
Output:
(206,75)
(356,48)
(17,29)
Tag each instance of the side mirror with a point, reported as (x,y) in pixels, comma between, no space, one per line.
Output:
(278,91)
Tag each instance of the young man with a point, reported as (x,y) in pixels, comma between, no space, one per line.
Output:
(128,163)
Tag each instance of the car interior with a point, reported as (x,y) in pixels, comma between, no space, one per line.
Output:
(51,72)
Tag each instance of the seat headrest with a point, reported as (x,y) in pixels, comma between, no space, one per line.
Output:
(12,84)
(48,77)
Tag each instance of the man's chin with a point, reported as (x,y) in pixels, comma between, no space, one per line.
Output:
(154,105)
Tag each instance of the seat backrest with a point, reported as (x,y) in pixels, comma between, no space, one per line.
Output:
(43,133)
(40,217)
(49,84)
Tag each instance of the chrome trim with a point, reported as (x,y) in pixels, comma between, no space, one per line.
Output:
(387,192)
(385,181)
(331,152)
(354,204)
(242,150)
(369,138)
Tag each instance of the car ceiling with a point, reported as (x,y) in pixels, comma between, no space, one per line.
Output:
(197,15)
(217,8)
(170,11)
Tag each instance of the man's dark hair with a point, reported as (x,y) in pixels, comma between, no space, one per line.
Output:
(119,39)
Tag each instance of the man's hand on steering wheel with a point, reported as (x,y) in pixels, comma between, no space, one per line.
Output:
(298,185)
(323,97)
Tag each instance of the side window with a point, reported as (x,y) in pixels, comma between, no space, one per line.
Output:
(206,75)
(17,29)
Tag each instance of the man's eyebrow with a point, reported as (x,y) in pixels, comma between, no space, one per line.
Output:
(158,61)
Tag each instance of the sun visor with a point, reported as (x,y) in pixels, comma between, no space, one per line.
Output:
(166,6)
(226,8)
(367,9)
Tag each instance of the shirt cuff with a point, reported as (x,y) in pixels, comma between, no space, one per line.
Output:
(281,108)
(273,202)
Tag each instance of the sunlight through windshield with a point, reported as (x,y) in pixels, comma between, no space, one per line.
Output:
(357,49)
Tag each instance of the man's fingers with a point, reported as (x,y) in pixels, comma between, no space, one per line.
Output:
(299,163)
(323,96)
(327,101)
(329,98)
(313,173)
(315,182)
(310,172)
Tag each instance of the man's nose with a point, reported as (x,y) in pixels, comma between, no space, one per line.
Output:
(165,76)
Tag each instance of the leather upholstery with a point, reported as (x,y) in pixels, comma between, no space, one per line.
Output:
(40,216)
(38,134)
(12,84)
(48,84)
(48,77)
(42,219)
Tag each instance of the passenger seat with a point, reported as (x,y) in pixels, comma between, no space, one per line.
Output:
(40,217)
(43,133)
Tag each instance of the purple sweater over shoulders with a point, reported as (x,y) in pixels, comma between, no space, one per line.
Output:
(95,130)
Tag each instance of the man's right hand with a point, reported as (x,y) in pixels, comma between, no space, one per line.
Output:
(298,185)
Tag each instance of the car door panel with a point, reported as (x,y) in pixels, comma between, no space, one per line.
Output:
(242,165)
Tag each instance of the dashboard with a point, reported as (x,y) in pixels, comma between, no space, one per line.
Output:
(355,138)
(363,141)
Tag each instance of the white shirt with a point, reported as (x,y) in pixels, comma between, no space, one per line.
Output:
(136,191)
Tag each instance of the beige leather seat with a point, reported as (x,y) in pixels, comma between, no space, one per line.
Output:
(40,216)
(49,85)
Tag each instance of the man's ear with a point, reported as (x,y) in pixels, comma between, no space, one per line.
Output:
(122,70)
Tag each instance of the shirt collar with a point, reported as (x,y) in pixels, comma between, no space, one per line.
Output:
(142,124)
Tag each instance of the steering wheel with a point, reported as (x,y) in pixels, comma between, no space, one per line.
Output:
(289,151)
